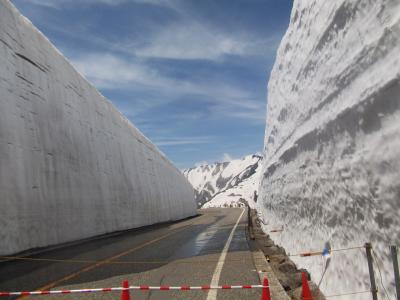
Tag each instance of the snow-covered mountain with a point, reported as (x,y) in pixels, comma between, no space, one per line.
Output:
(226,183)
(332,145)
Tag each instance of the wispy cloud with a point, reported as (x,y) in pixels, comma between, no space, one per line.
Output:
(189,38)
(197,40)
(176,141)
(183,39)
(57,4)
(108,71)
(253,113)
(115,72)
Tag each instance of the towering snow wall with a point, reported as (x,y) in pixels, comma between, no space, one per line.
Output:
(332,144)
(71,165)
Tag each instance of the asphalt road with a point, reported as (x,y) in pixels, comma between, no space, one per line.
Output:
(179,253)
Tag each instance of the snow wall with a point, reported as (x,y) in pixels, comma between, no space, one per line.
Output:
(332,146)
(71,165)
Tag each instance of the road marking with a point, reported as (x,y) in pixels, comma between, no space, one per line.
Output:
(105,261)
(121,262)
(212,294)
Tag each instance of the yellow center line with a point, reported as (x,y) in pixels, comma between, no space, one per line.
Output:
(105,261)
(84,261)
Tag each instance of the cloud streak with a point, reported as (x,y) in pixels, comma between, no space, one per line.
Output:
(177,141)
(198,41)
(59,3)
(183,39)
(108,72)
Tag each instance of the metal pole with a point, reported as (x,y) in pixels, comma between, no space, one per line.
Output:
(374,291)
(393,250)
(248,217)
(250,223)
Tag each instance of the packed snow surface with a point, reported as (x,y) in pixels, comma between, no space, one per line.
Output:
(71,165)
(226,183)
(332,144)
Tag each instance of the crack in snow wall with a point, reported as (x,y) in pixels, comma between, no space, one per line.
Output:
(71,165)
(332,146)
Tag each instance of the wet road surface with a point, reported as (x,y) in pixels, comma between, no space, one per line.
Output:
(180,253)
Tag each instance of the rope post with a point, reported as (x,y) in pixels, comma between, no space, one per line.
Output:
(248,216)
(125,295)
(374,290)
(393,250)
(266,295)
(250,223)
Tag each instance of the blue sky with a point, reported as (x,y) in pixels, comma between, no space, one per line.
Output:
(190,74)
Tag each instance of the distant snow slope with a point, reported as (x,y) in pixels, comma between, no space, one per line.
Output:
(223,183)
(332,145)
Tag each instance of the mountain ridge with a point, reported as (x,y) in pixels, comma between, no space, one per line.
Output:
(225,183)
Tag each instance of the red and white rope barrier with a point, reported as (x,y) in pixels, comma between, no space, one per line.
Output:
(316,253)
(139,287)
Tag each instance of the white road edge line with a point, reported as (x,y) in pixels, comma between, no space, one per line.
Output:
(212,294)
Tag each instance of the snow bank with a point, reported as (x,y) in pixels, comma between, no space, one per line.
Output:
(332,143)
(71,165)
